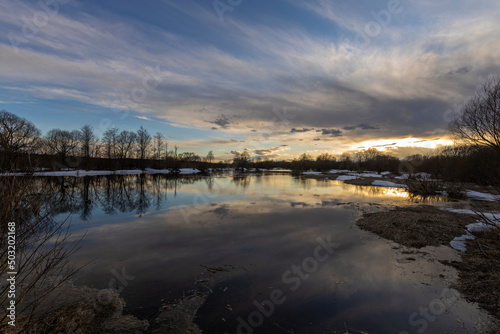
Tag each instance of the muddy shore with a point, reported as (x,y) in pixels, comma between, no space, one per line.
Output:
(422,226)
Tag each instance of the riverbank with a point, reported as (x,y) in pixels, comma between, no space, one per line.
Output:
(479,265)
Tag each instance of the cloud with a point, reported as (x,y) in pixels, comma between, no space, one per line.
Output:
(331,132)
(461,70)
(143,117)
(270,152)
(403,81)
(385,145)
(222,121)
(294,130)
(361,126)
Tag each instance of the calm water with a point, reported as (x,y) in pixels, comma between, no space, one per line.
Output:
(273,235)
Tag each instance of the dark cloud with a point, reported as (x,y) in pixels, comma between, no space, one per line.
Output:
(461,70)
(361,126)
(294,130)
(269,151)
(399,114)
(222,121)
(331,132)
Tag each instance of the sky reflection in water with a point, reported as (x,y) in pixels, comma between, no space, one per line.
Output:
(160,230)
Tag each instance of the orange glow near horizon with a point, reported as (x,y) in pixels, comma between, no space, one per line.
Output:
(390,144)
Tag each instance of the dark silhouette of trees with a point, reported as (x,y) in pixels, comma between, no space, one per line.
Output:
(325,161)
(17,135)
(241,160)
(303,162)
(125,142)
(210,156)
(143,141)
(479,121)
(109,140)
(158,145)
(62,143)
(189,156)
(86,137)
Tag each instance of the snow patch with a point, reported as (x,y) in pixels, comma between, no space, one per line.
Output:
(459,242)
(186,171)
(482,196)
(346,177)
(338,171)
(380,183)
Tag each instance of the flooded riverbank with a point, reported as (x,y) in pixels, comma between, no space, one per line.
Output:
(268,253)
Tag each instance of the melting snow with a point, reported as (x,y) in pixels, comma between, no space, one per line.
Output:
(459,242)
(482,196)
(346,177)
(380,183)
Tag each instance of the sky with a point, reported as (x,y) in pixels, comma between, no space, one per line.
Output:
(276,78)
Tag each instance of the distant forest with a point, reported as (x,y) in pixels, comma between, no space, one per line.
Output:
(475,159)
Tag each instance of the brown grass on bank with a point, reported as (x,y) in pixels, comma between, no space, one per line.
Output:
(479,271)
(416,226)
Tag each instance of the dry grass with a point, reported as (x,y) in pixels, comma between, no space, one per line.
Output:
(42,250)
(424,186)
(416,226)
(479,271)
(455,190)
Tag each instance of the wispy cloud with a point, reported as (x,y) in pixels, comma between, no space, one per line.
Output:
(234,75)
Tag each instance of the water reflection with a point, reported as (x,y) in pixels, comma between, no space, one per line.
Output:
(139,194)
(112,194)
(161,229)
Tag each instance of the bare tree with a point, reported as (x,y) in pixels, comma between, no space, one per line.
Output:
(87,137)
(144,141)
(158,142)
(125,142)
(17,135)
(325,161)
(109,141)
(189,156)
(62,143)
(478,123)
(166,142)
(175,156)
(210,156)
(241,159)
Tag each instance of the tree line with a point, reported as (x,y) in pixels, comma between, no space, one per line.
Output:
(22,146)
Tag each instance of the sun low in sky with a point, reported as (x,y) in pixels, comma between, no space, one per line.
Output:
(274,77)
